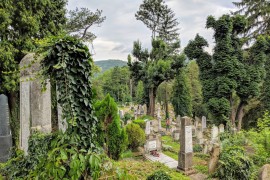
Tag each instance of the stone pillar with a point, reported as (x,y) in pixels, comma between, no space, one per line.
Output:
(199,134)
(186,148)
(178,121)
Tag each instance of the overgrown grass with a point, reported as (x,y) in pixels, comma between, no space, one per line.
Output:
(127,154)
(168,140)
(142,169)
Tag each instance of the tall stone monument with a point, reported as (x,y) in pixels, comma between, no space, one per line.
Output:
(186,147)
(203,122)
(5,132)
(35,105)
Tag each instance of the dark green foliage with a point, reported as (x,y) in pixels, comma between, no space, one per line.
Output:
(117,139)
(136,136)
(159,18)
(80,20)
(181,99)
(234,164)
(265,98)
(106,112)
(73,76)
(127,117)
(159,175)
(228,71)
(197,148)
(115,82)
(257,13)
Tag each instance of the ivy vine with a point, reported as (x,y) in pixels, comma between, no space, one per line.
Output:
(69,62)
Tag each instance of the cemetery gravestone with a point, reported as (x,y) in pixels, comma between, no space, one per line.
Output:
(203,122)
(221,128)
(5,133)
(186,148)
(214,134)
(35,106)
(147,128)
(121,114)
(199,134)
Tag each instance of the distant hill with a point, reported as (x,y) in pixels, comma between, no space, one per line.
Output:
(110,63)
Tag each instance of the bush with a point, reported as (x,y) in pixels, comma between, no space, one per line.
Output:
(159,175)
(197,148)
(234,164)
(136,136)
(140,122)
(117,138)
(127,117)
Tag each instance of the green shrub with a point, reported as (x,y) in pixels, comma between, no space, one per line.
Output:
(264,123)
(197,148)
(234,164)
(140,122)
(127,117)
(117,138)
(136,136)
(159,175)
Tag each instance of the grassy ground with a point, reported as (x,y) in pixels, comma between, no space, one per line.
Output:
(168,140)
(141,169)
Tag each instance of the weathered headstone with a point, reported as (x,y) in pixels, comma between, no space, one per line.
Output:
(221,128)
(147,128)
(5,133)
(186,148)
(178,121)
(199,134)
(35,106)
(214,157)
(214,134)
(121,114)
(153,143)
(203,122)
(176,135)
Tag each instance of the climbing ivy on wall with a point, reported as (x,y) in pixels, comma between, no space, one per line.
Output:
(69,62)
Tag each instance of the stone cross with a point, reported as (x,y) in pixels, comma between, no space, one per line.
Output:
(186,148)
(203,122)
(147,128)
(5,132)
(221,128)
(214,133)
(35,106)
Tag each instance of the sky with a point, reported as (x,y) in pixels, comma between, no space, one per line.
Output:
(116,34)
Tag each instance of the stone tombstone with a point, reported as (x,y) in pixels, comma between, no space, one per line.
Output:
(214,133)
(194,132)
(35,105)
(176,135)
(153,143)
(203,122)
(121,114)
(5,132)
(221,128)
(214,157)
(147,128)
(199,134)
(186,148)
(178,121)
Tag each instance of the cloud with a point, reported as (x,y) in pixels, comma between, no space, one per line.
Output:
(116,35)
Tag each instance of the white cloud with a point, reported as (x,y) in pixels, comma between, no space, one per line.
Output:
(116,35)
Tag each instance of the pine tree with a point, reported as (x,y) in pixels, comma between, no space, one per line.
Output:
(258,16)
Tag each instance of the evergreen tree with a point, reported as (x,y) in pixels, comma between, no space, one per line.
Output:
(258,16)
(181,99)
(228,72)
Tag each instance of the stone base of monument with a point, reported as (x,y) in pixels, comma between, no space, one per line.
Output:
(186,172)
(5,146)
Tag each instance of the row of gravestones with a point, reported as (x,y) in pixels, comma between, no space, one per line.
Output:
(35,105)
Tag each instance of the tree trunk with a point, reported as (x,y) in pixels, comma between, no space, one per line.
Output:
(166,102)
(232,111)
(152,97)
(14,109)
(240,114)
